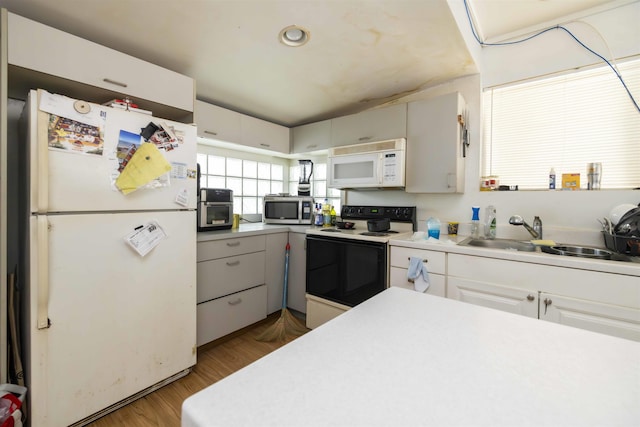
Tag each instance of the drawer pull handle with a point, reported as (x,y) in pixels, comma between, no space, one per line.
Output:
(424,260)
(265,145)
(233,263)
(114,82)
(364,138)
(210,132)
(233,244)
(235,301)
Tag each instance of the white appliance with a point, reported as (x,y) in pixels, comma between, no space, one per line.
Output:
(371,165)
(102,322)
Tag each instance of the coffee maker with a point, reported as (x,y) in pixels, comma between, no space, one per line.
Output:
(304,182)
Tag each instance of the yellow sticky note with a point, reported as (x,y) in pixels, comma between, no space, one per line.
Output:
(146,164)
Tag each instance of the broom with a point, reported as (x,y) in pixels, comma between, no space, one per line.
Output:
(287,324)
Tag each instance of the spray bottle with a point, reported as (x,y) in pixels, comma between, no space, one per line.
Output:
(475,222)
(490,223)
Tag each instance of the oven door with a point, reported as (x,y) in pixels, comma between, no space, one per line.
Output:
(213,216)
(345,271)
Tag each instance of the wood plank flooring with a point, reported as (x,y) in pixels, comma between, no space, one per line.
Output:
(216,360)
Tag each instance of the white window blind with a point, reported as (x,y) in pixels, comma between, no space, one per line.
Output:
(564,122)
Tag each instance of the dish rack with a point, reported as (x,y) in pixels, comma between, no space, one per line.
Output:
(622,244)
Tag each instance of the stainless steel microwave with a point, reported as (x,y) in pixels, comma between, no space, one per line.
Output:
(215,209)
(287,210)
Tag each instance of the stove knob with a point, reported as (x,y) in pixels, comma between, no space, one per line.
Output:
(360,211)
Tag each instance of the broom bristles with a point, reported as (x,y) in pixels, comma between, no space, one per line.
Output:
(285,326)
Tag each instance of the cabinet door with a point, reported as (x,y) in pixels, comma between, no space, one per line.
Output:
(216,123)
(513,300)
(41,48)
(265,135)
(608,319)
(435,162)
(274,272)
(369,126)
(297,272)
(311,137)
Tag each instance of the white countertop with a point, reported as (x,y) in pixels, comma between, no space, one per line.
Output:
(450,245)
(251,229)
(406,359)
(445,244)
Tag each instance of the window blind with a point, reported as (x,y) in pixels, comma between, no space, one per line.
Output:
(564,122)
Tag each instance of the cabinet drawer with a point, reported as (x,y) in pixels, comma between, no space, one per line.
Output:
(224,276)
(224,315)
(38,47)
(435,261)
(398,277)
(229,247)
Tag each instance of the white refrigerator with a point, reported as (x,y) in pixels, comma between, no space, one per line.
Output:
(110,304)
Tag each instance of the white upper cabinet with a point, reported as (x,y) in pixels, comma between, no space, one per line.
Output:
(37,47)
(265,135)
(216,123)
(435,155)
(369,126)
(311,137)
(220,124)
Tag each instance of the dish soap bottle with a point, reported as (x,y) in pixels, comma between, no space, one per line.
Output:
(490,223)
(333,215)
(552,179)
(475,222)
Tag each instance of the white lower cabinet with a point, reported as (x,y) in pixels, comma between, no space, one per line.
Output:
(608,319)
(601,302)
(433,261)
(274,270)
(297,272)
(221,316)
(231,286)
(513,300)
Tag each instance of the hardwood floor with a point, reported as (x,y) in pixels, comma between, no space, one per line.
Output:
(216,360)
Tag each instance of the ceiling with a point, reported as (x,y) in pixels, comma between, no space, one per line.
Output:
(361,53)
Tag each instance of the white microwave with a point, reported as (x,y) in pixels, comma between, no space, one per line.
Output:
(371,165)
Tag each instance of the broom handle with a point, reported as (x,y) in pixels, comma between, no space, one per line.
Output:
(286,276)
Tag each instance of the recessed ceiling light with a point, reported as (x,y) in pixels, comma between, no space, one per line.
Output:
(294,35)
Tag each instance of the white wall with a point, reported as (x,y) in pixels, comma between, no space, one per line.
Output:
(569,217)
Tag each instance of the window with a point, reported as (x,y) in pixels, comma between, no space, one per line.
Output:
(250,180)
(564,122)
(319,189)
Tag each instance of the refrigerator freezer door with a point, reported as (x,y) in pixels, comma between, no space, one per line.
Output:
(120,323)
(65,179)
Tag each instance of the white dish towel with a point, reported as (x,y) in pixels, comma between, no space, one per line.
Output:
(418,274)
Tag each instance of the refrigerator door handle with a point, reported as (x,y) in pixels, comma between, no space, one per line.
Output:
(43,273)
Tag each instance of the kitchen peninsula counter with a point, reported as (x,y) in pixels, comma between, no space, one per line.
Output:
(408,358)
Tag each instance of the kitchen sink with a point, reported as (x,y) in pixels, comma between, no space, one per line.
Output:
(508,244)
(588,252)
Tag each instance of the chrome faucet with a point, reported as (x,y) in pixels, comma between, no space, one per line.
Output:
(535,231)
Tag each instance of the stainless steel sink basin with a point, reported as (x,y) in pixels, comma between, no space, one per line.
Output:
(508,244)
(578,251)
(588,252)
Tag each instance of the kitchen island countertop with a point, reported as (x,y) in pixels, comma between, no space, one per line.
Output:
(409,359)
